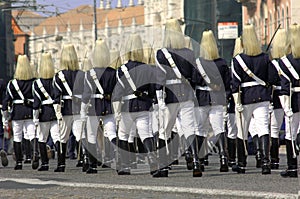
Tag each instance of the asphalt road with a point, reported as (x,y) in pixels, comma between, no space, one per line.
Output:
(73,183)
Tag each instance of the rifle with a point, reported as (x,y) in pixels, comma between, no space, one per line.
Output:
(269,45)
(290,123)
(239,101)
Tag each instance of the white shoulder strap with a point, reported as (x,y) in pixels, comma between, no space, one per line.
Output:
(127,75)
(94,76)
(171,62)
(248,71)
(280,72)
(288,64)
(42,88)
(61,76)
(15,84)
(202,71)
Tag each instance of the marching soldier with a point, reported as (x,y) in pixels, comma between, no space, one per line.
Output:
(20,99)
(99,84)
(63,101)
(176,97)
(290,95)
(212,82)
(252,97)
(3,139)
(134,89)
(43,112)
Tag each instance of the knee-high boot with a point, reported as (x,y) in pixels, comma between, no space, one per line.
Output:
(201,151)
(35,158)
(174,148)
(192,142)
(28,151)
(18,154)
(222,152)
(132,155)
(124,157)
(92,150)
(231,145)
(80,153)
(163,160)
(264,142)
(152,157)
(291,171)
(257,151)
(241,155)
(44,157)
(61,157)
(274,151)
(107,153)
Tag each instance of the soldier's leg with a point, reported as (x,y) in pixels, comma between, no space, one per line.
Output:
(43,132)
(17,127)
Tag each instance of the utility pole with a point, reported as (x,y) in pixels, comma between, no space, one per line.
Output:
(95,20)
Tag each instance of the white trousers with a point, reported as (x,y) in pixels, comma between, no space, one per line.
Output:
(231,126)
(45,127)
(210,115)
(138,119)
(292,126)
(26,126)
(276,122)
(65,127)
(184,112)
(260,112)
(77,128)
(109,127)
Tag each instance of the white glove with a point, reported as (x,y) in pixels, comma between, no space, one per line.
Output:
(160,100)
(36,115)
(5,118)
(238,106)
(271,108)
(117,110)
(57,109)
(285,103)
(83,111)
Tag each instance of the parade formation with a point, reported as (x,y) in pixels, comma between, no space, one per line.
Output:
(157,104)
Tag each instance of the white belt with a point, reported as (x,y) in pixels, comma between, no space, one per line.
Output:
(249,84)
(21,101)
(129,97)
(277,87)
(173,81)
(296,89)
(48,101)
(67,97)
(100,96)
(0,105)
(203,88)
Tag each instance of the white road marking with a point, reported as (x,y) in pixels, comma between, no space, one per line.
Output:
(209,192)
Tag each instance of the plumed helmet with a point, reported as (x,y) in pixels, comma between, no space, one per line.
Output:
(237,47)
(86,64)
(46,68)
(189,42)
(100,55)
(69,59)
(208,46)
(115,59)
(149,54)
(250,42)
(23,69)
(279,44)
(173,37)
(134,48)
(294,35)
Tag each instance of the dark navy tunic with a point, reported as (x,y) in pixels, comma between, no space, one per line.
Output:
(185,61)
(276,92)
(78,89)
(143,76)
(285,84)
(107,79)
(219,75)
(260,65)
(47,112)
(60,92)
(19,111)
(3,85)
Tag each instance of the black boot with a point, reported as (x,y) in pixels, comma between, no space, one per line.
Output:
(28,151)
(163,160)
(257,151)
(44,157)
(132,155)
(152,158)
(241,155)
(61,157)
(124,157)
(35,158)
(274,151)
(18,154)
(192,142)
(80,154)
(264,142)
(107,153)
(85,160)
(222,152)
(188,157)
(291,171)
(231,146)
(201,150)
(174,148)
(92,151)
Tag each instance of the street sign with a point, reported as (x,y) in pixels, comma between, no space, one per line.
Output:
(227,30)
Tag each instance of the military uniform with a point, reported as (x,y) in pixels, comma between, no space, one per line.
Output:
(3,140)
